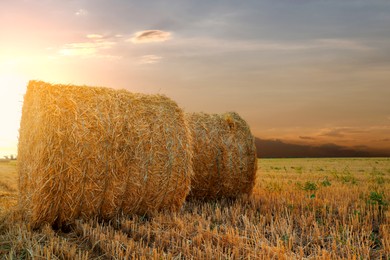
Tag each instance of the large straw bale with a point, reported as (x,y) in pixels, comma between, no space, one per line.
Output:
(225,160)
(95,152)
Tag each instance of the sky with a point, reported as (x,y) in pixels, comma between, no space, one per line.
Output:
(303,71)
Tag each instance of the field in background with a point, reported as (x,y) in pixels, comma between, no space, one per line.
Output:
(323,208)
(8,186)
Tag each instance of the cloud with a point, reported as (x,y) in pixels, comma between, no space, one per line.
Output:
(334,43)
(307,138)
(84,48)
(150,59)
(81,12)
(341,132)
(383,140)
(93,47)
(94,36)
(196,46)
(334,133)
(100,37)
(150,36)
(71,50)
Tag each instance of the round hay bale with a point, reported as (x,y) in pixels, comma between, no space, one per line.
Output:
(95,152)
(225,160)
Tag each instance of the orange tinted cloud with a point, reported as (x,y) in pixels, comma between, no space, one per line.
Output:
(376,137)
(150,59)
(355,136)
(92,47)
(84,48)
(150,36)
(342,131)
(306,138)
(94,36)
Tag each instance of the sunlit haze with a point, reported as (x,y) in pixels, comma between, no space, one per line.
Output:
(305,72)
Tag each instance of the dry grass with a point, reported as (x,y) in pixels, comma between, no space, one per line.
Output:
(8,185)
(300,209)
(224,156)
(97,152)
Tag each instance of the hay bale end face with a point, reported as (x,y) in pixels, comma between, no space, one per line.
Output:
(86,151)
(225,160)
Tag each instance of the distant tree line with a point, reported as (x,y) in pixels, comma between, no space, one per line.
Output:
(280,149)
(10,157)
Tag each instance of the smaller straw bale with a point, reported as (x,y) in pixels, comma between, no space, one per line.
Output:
(89,152)
(225,160)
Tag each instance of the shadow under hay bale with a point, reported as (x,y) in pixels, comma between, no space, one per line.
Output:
(95,152)
(225,160)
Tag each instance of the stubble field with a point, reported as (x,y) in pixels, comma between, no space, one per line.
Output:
(300,209)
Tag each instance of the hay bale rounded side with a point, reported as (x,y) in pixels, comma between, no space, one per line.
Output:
(87,151)
(225,160)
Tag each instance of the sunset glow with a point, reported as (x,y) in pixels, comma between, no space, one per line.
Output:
(10,111)
(304,72)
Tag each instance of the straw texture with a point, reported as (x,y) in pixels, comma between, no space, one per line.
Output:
(87,151)
(225,160)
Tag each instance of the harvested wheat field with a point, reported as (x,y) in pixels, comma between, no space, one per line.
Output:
(224,156)
(299,209)
(89,152)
